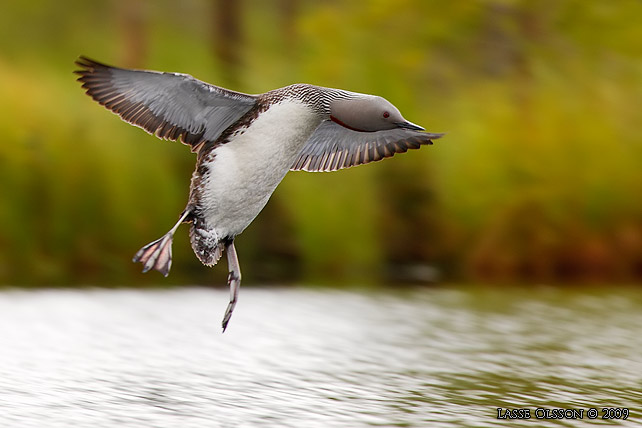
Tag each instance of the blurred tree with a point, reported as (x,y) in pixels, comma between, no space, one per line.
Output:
(411,234)
(227,38)
(132,17)
(288,11)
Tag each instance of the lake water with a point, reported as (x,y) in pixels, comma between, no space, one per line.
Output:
(315,358)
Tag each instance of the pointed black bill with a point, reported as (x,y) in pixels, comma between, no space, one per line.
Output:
(409,125)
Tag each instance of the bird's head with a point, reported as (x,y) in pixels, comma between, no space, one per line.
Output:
(368,113)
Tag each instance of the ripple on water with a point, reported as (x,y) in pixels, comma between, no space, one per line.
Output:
(302,358)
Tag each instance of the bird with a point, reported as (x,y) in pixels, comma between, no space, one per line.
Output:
(245,144)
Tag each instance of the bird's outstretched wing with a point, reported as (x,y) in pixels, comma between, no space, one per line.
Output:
(332,147)
(171,106)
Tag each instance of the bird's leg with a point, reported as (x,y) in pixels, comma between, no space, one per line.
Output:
(158,254)
(233,280)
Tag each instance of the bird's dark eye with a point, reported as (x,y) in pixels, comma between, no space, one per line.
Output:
(386,115)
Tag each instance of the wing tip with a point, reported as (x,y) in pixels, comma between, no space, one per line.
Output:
(86,62)
(434,135)
(89,67)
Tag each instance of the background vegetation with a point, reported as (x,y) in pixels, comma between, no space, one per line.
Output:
(539,177)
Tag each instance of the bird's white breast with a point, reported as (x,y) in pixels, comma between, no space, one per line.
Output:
(246,170)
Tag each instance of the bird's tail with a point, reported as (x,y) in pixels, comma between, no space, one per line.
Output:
(206,243)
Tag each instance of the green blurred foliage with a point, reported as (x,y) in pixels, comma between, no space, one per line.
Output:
(538,178)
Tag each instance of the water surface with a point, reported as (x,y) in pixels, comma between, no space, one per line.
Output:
(315,358)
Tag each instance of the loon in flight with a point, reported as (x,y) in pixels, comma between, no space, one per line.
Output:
(245,144)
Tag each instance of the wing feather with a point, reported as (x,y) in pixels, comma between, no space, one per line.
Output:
(332,147)
(171,106)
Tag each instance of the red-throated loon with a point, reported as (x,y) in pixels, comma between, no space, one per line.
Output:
(245,144)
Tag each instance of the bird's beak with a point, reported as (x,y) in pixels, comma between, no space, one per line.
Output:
(409,125)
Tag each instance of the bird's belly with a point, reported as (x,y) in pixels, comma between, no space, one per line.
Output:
(246,170)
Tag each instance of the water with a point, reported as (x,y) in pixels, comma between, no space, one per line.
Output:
(313,358)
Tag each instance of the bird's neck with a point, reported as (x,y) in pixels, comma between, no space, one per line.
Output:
(318,98)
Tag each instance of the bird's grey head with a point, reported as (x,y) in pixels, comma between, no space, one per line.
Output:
(368,113)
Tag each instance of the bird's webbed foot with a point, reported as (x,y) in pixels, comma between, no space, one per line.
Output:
(158,254)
